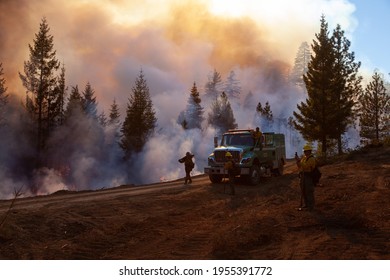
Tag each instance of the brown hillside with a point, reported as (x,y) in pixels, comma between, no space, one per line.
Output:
(200,221)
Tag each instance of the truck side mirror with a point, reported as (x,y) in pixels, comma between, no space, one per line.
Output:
(215,141)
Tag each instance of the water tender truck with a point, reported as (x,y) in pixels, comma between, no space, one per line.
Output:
(254,158)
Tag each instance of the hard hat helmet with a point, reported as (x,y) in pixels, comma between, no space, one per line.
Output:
(228,154)
(307,147)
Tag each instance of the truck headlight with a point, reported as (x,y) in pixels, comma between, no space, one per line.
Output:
(210,160)
(245,160)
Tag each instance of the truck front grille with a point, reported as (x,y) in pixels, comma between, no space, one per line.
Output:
(220,156)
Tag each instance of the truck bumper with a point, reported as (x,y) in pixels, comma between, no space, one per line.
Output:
(221,171)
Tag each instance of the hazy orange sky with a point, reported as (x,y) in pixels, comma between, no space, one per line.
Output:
(175,42)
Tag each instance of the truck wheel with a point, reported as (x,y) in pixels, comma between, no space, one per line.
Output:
(254,175)
(216,179)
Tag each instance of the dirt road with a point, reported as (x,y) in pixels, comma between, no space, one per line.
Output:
(200,221)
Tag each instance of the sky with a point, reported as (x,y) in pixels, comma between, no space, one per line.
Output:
(369,39)
(176,43)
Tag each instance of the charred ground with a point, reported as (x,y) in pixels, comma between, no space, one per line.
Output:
(200,221)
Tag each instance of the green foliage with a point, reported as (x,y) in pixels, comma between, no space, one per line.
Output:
(194,112)
(89,103)
(3,89)
(313,119)
(3,95)
(114,114)
(221,115)
(59,95)
(331,83)
(74,105)
(265,116)
(374,108)
(41,82)
(192,116)
(265,112)
(140,118)
(346,85)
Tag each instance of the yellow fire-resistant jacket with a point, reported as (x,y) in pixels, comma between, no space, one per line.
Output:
(307,164)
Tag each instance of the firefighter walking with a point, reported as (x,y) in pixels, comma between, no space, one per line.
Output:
(188,166)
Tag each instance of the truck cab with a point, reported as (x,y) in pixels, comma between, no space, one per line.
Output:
(253,158)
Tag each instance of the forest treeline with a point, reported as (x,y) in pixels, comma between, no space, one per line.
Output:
(56,120)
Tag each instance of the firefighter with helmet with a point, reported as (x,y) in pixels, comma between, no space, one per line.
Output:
(306,165)
(188,166)
(230,167)
(257,137)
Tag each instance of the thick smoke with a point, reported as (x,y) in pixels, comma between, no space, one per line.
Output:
(175,43)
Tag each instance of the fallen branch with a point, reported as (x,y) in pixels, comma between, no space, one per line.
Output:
(17,193)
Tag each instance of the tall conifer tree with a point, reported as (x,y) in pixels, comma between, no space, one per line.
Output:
(114,114)
(346,84)
(40,80)
(89,101)
(194,112)
(74,105)
(221,115)
(374,110)
(140,120)
(3,94)
(265,116)
(315,116)
(60,95)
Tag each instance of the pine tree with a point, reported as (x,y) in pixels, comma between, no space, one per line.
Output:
(374,110)
(221,115)
(265,116)
(140,120)
(3,88)
(3,94)
(266,111)
(232,86)
(102,119)
(40,80)
(346,84)
(314,120)
(193,116)
(60,95)
(114,114)
(74,105)
(213,86)
(89,101)
(300,68)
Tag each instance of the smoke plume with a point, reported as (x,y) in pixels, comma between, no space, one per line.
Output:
(175,43)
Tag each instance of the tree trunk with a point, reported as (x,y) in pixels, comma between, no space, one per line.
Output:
(340,145)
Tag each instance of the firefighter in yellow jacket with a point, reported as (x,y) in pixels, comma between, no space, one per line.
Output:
(230,166)
(306,165)
(257,137)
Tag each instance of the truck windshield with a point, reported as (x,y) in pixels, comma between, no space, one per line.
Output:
(237,140)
